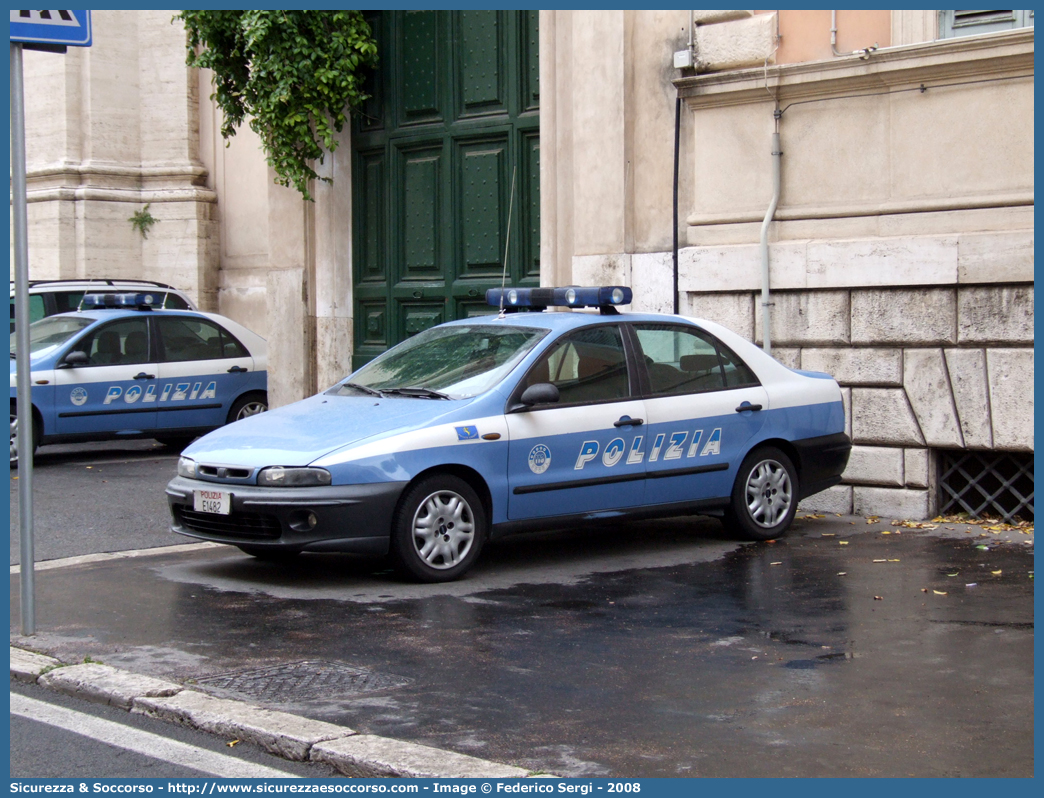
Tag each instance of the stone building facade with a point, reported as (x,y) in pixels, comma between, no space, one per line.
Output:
(900,250)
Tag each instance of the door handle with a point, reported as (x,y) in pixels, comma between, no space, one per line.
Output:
(628,422)
(144,376)
(238,370)
(747,406)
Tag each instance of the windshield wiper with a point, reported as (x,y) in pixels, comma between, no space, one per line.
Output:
(363,388)
(420,393)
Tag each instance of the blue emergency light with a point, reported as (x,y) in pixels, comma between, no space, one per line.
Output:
(605,297)
(125,301)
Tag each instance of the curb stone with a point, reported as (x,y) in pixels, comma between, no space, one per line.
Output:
(105,684)
(279,733)
(26,666)
(367,756)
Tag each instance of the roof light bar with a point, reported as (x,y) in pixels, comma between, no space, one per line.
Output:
(605,297)
(123,301)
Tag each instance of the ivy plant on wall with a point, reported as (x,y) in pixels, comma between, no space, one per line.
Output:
(296,75)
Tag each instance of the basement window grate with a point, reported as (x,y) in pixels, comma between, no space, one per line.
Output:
(994,484)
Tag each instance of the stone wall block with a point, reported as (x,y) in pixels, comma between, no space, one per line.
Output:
(837,499)
(727,15)
(333,347)
(602,269)
(915,468)
(1004,257)
(789,357)
(804,318)
(1010,374)
(733,45)
(735,311)
(927,316)
(846,400)
(291,349)
(891,503)
(738,267)
(880,367)
(875,465)
(967,368)
(882,416)
(928,388)
(918,260)
(987,314)
(652,282)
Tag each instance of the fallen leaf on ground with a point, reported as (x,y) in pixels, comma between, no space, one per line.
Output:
(939,592)
(996,573)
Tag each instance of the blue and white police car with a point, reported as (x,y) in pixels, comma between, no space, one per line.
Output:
(119,368)
(492,425)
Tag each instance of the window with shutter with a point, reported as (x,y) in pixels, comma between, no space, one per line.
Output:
(968,23)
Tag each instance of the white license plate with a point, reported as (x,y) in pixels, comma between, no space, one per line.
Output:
(212,501)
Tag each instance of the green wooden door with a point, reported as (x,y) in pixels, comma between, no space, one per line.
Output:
(453,118)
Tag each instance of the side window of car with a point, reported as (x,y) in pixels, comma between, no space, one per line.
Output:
(121,343)
(587,366)
(175,302)
(36,309)
(186,338)
(67,301)
(682,360)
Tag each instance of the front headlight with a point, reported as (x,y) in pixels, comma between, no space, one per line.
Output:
(279,477)
(186,467)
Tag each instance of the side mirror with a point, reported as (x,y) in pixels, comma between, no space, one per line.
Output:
(74,359)
(543,393)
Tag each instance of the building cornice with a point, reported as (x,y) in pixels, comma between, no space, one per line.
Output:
(1008,54)
(65,181)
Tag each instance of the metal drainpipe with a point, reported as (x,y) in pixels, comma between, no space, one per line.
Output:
(766,303)
(833,34)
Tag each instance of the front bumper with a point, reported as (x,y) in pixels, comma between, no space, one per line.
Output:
(349,518)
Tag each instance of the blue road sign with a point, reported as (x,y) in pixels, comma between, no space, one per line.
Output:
(72,28)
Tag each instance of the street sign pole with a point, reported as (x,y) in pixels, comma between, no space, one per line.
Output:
(27,556)
(49,31)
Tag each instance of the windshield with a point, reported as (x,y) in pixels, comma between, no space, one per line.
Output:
(51,332)
(455,362)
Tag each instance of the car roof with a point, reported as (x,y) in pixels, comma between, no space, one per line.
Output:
(97,282)
(102,314)
(570,319)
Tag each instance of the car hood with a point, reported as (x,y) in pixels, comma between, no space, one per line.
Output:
(298,434)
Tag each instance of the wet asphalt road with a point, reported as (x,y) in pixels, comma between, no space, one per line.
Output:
(97,497)
(660,649)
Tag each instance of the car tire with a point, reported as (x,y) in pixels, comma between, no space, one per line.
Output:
(438,530)
(270,555)
(765,495)
(247,405)
(14,436)
(176,441)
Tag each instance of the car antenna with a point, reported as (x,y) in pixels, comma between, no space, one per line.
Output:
(507,239)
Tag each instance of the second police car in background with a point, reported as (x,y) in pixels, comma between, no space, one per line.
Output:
(119,368)
(487,426)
